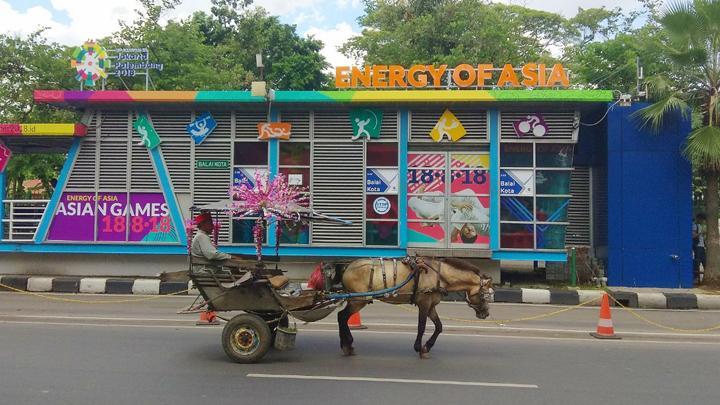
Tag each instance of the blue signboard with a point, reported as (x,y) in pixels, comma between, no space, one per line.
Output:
(381,181)
(201,127)
(516,182)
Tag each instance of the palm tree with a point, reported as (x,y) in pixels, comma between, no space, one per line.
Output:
(691,42)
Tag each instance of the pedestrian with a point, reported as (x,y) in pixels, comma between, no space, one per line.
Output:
(698,243)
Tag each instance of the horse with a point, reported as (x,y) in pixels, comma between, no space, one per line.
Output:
(429,279)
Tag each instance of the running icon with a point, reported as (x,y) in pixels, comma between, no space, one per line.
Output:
(366,123)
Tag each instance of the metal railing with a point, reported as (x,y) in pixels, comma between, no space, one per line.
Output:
(21,219)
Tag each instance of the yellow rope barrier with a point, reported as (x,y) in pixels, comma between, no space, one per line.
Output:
(659,325)
(528,318)
(101,301)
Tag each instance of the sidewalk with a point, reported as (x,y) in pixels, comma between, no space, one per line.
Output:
(654,298)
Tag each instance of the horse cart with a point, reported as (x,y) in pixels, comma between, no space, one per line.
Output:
(260,290)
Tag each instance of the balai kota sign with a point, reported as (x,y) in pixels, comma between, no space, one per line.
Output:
(462,76)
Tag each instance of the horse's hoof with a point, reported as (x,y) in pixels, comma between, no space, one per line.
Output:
(348,351)
(424,353)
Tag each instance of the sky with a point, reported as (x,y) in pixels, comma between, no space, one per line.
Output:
(71,22)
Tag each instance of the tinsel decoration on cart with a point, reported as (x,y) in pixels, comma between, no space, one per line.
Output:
(271,201)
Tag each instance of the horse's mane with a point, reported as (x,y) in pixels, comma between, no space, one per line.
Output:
(461,264)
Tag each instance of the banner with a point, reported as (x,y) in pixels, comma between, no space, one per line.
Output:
(81,216)
(366,123)
(448,125)
(5,154)
(274,130)
(201,128)
(532,124)
(148,136)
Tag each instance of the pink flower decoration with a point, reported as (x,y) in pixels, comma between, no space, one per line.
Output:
(268,200)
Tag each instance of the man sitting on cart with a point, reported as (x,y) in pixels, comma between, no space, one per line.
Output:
(202,247)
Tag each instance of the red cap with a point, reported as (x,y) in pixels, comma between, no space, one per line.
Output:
(205,216)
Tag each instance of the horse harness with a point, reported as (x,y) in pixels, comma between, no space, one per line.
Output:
(384,274)
(418,267)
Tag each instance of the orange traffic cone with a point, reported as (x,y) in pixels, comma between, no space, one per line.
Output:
(354,321)
(605,328)
(207,318)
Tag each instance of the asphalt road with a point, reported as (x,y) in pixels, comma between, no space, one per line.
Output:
(142,353)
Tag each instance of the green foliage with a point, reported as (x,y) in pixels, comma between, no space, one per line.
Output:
(217,50)
(452,32)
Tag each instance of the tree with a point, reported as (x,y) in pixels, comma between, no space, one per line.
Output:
(452,31)
(27,64)
(692,44)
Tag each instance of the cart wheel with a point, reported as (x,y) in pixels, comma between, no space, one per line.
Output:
(246,338)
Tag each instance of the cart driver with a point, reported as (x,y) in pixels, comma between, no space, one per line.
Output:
(202,246)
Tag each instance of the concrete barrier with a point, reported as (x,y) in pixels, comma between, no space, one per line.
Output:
(40,284)
(146,287)
(92,285)
(535,296)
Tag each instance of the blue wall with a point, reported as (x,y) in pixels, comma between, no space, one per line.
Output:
(649,203)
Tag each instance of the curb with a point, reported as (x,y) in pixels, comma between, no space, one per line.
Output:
(95,285)
(151,286)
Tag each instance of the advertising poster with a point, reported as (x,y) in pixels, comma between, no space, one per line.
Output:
(144,218)
(112,217)
(427,234)
(5,154)
(74,218)
(150,219)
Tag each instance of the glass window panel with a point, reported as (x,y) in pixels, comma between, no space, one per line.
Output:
(516,155)
(381,206)
(296,177)
(552,182)
(247,174)
(554,155)
(470,160)
(382,154)
(516,208)
(243,231)
(294,154)
(470,233)
(426,160)
(470,209)
(476,181)
(426,208)
(423,181)
(552,209)
(551,236)
(427,234)
(251,153)
(516,236)
(295,233)
(381,233)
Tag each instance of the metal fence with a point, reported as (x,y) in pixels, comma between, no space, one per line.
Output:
(21,219)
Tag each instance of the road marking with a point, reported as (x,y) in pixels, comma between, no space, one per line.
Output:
(391,380)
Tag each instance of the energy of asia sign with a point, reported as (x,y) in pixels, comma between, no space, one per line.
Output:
(463,76)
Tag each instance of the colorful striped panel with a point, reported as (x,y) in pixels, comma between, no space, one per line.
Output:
(76,129)
(335,96)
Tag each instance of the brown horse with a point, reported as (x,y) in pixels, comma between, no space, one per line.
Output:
(429,280)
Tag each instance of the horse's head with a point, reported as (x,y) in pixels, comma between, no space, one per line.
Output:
(479,300)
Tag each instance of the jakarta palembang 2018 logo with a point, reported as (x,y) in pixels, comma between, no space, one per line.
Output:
(90,62)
